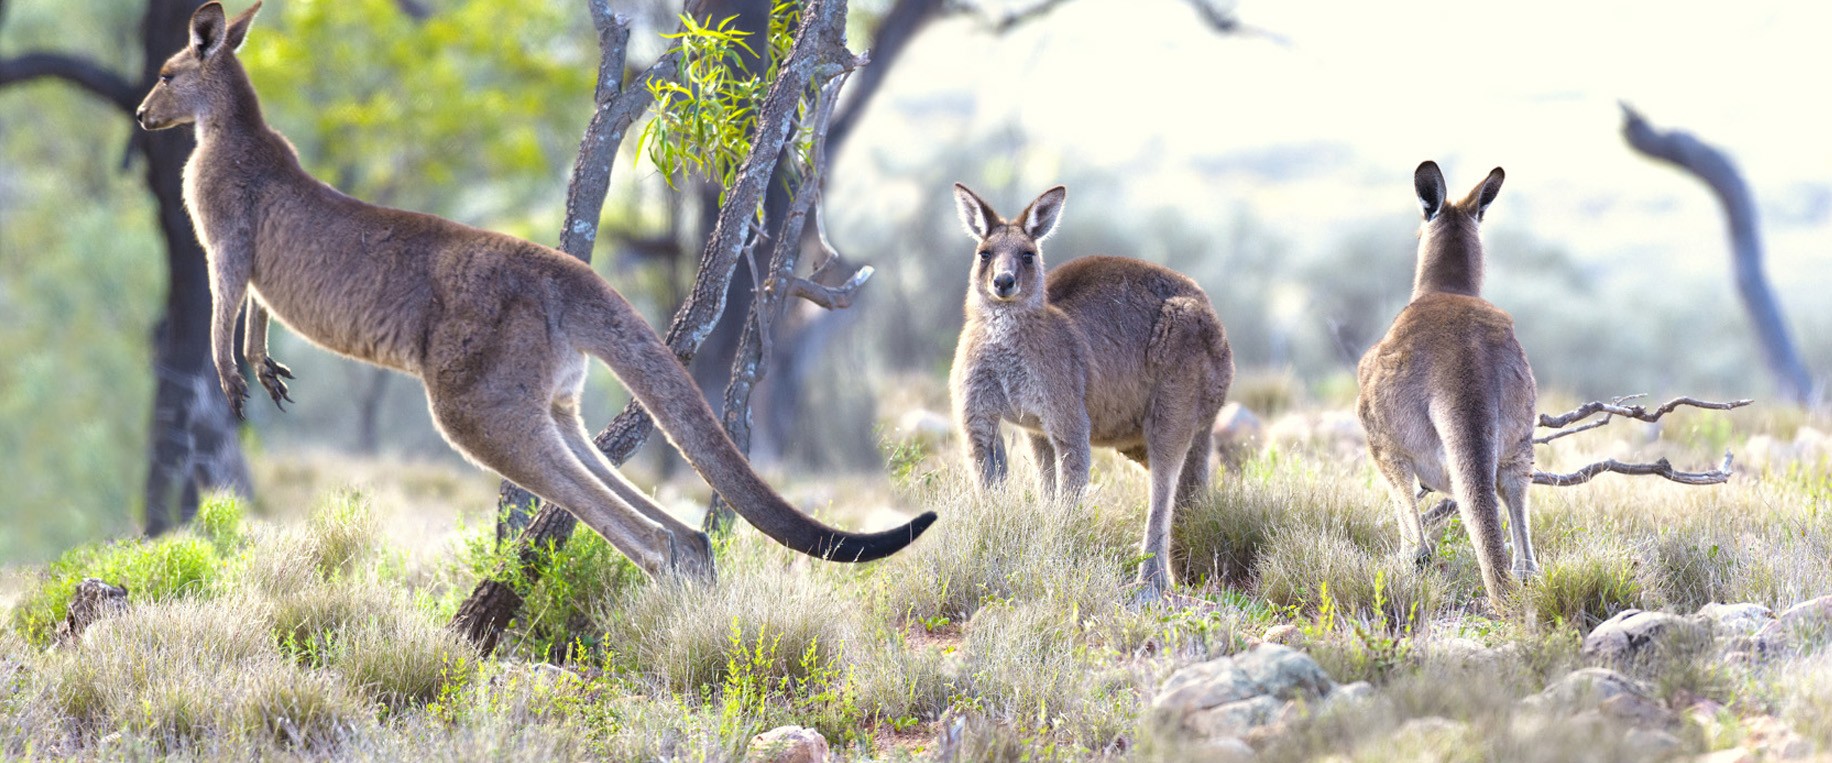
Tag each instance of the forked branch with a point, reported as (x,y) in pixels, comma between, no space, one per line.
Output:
(1444,509)
(1616,408)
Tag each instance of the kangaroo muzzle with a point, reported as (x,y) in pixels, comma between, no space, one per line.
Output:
(1004,285)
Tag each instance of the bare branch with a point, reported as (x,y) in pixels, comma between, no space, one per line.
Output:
(1002,23)
(1713,167)
(1641,413)
(89,75)
(619,105)
(1225,21)
(1444,509)
(830,297)
(1659,468)
(821,39)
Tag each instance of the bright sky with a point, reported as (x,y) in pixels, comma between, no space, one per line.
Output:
(1141,89)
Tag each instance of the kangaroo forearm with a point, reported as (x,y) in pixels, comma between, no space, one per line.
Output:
(254,333)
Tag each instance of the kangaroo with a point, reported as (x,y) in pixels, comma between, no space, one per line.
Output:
(1108,351)
(1447,397)
(497,328)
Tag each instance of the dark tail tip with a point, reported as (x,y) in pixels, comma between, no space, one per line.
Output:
(866,547)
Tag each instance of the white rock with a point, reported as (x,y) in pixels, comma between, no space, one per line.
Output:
(787,744)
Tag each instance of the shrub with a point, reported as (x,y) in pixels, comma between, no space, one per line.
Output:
(173,566)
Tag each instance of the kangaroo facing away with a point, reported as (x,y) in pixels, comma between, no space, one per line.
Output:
(497,328)
(1447,397)
(1107,351)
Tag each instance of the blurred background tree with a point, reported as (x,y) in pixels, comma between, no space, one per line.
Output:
(1272,169)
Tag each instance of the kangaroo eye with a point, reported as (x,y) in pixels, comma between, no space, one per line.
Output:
(985,254)
(165,79)
(1030,256)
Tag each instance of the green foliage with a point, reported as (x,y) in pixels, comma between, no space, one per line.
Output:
(179,565)
(556,618)
(703,123)
(467,113)
(764,687)
(219,518)
(1353,648)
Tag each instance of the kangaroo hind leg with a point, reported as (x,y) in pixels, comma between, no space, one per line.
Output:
(691,541)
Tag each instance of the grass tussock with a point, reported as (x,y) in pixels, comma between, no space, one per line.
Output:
(1008,632)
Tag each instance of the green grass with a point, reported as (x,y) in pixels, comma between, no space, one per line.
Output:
(1007,633)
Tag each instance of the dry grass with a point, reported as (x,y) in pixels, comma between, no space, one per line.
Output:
(1007,629)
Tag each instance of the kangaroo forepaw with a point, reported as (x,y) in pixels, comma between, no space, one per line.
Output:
(235,388)
(1422,556)
(270,373)
(1526,569)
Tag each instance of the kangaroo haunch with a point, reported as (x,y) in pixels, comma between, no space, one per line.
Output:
(496,327)
(1109,351)
(1447,397)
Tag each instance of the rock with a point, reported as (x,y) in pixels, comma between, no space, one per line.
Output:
(1225,750)
(1802,626)
(1237,433)
(94,600)
(1732,755)
(1350,694)
(1633,636)
(1584,689)
(1652,744)
(1736,619)
(924,425)
(1330,432)
(1287,635)
(1235,719)
(1243,695)
(787,744)
(1285,673)
(1772,738)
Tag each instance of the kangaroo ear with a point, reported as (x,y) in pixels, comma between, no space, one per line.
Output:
(238,27)
(208,26)
(1428,181)
(1039,219)
(975,213)
(1483,195)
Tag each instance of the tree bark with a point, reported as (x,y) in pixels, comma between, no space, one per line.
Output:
(193,445)
(1714,168)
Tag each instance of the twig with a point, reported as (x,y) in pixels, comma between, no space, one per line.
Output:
(1633,411)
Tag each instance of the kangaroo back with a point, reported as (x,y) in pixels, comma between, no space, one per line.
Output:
(1447,396)
(619,336)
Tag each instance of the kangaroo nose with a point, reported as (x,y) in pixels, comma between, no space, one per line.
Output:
(140,116)
(1003,282)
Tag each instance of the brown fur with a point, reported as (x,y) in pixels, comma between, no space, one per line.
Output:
(1447,397)
(497,328)
(1108,351)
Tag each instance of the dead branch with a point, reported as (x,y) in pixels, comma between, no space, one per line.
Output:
(1616,408)
(1713,167)
(1659,468)
(755,343)
(85,73)
(821,40)
(1002,23)
(830,297)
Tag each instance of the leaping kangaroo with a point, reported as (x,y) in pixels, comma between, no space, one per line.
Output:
(497,328)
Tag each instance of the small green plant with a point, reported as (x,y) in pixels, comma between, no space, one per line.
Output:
(219,518)
(763,687)
(173,566)
(1355,648)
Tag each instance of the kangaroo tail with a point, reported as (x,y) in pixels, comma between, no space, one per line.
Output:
(658,381)
(1465,421)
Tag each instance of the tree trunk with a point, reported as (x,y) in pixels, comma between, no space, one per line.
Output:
(821,36)
(1714,168)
